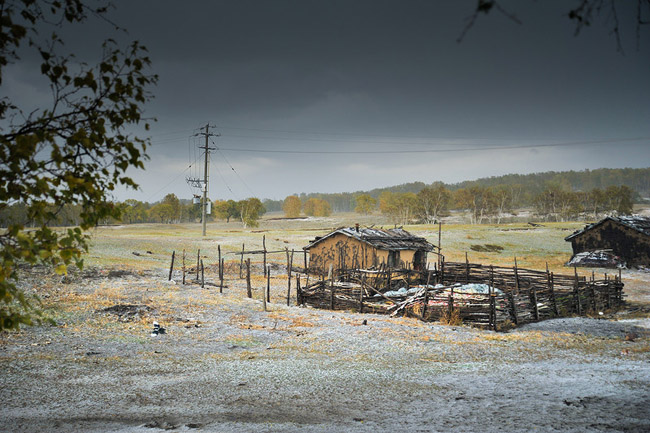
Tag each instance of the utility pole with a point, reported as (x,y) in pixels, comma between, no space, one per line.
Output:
(203,184)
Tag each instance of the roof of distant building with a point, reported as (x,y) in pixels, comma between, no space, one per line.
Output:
(635,222)
(383,239)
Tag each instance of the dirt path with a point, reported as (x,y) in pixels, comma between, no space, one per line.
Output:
(224,365)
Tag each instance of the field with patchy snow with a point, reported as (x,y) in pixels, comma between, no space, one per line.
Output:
(225,365)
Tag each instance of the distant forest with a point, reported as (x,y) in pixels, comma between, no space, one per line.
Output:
(528,186)
(552,196)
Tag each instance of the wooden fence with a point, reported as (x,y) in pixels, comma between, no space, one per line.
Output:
(506,296)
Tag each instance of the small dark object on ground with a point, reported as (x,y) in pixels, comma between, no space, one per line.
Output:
(487,248)
(136,253)
(165,425)
(157,329)
(536,224)
(631,336)
(365,322)
(127,312)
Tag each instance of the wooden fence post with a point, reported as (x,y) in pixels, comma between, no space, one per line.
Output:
(264,250)
(516,277)
(492,317)
(549,282)
(304,258)
(171,267)
(268,289)
(363,278)
(202,279)
(576,292)
(298,291)
(466,268)
(249,290)
(289,265)
(220,266)
(534,300)
(221,263)
(450,302)
(513,306)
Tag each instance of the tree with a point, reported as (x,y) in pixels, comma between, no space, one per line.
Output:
(365,204)
(250,211)
(291,206)
(75,151)
(400,207)
(174,207)
(226,209)
(583,15)
(322,208)
(133,211)
(478,200)
(310,206)
(619,199)
(161,212)
(558,202)
(431,201)
(502,200)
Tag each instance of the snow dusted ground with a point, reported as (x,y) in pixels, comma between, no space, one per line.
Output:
(225,365)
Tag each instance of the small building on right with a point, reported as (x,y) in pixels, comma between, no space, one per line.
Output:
(627,237)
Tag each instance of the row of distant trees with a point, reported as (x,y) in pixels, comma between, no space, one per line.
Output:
(491,204)
(526,187)
(292,207)
(169,210)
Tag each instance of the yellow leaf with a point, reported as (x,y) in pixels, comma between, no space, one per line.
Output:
(61,269)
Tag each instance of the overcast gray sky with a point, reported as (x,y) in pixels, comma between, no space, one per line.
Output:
(378,76)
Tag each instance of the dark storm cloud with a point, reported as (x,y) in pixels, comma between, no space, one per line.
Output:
(371,69)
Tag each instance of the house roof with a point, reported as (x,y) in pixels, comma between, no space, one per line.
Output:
(635,222)
(390,239)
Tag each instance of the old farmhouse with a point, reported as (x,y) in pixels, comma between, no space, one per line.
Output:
(355,247)
(628,237)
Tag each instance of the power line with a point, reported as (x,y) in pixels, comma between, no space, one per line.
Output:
(172,181)
(233,169)
(403,151)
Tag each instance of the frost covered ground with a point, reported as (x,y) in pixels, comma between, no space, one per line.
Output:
(225,365)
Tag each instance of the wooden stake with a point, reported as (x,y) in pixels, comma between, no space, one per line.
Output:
(268,284)
(171,267)
(268,289)
(516,277)
(513,306)
(298,290)
(264,249)
(535,308)
(219,260)
(289,265)
(249,290)
(221,276)
(202,279)
(363,280)
(304,258)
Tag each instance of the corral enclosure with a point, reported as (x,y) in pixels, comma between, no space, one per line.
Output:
(486,296)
